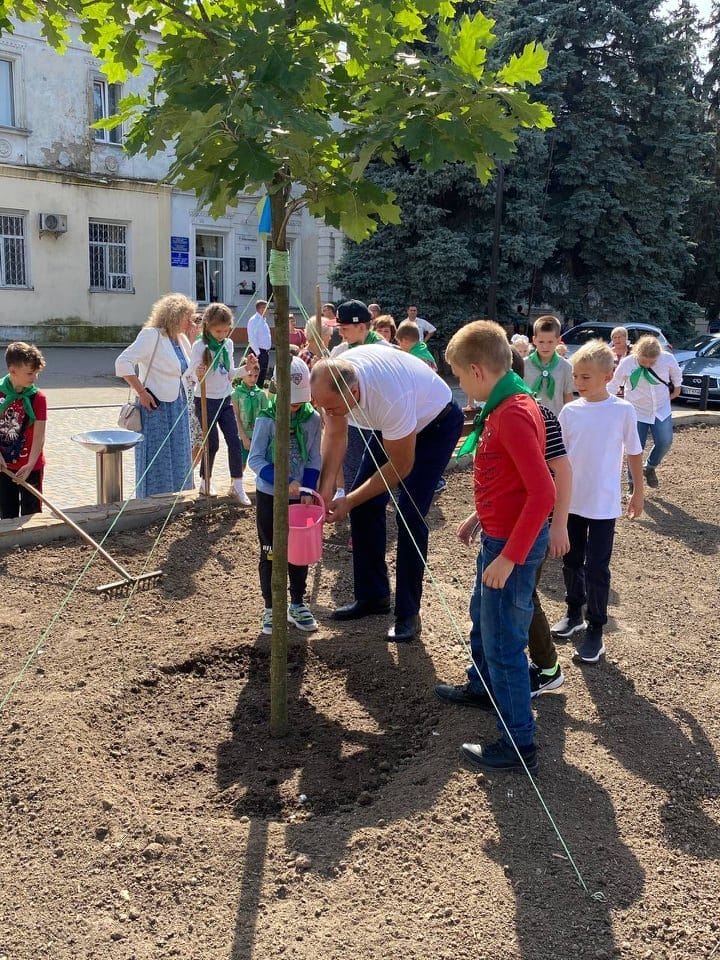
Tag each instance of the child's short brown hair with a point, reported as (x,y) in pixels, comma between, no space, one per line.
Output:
(596,352)
(482,342)
(408,330)
(547,324)
(21,354)
(648,347)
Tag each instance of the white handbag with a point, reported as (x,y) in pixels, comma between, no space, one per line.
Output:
(129,416)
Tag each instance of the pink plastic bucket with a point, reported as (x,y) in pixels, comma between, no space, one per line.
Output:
(305,535)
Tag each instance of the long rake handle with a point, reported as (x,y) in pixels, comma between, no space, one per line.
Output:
(71,523)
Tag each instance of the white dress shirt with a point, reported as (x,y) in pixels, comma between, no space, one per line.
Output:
(258,333)
(651,400)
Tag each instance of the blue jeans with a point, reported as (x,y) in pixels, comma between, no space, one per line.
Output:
(662,434)
(499,635)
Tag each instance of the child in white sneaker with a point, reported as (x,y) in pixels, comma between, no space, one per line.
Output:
(211,363)
(304,472)
(597,429)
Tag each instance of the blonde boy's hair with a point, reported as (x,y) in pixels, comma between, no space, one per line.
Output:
(547,324)
(619,331)
(596,352)
(408,330)
(482,342)
(648,347)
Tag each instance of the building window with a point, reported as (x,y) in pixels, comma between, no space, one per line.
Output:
(13,259)
(106,97)
(209,267)
(109,266)
(7,99)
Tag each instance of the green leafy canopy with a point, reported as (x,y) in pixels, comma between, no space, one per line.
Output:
(252,93)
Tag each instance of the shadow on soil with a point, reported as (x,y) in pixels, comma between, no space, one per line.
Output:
(370,713)
(554,916)
(672,521)
(672,754)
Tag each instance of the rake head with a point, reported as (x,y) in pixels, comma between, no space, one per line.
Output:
(122,588)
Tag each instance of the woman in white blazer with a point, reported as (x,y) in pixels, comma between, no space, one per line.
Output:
(153,366)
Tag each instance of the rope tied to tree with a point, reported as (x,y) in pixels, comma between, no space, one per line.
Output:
(279,268)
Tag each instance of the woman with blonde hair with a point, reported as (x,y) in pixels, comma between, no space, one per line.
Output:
(153,366)
(650,379)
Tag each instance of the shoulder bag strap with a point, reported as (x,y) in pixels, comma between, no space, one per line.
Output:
(660,379)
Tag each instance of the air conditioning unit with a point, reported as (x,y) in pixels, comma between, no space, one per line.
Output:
(53,223)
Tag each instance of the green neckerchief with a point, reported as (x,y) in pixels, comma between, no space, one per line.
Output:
(507,386)
(639,372)
(11,395)
(546,378)
(297,420)
(219,352)
(420,350)
(372,337)
(251,401)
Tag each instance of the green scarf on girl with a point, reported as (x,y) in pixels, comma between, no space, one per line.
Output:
(546,378)
(219,352)
(641,372)
(11,395)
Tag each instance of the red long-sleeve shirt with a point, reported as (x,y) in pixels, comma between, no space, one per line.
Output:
(514,490)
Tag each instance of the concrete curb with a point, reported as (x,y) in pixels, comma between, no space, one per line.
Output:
(95,520)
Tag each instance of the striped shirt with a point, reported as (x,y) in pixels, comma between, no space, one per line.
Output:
(554,446)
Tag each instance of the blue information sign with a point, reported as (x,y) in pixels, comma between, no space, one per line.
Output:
(179,251)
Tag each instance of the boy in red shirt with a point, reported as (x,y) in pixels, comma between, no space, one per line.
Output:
(514,494)
(23,414)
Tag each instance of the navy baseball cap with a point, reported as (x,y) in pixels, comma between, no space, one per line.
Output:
(353,311)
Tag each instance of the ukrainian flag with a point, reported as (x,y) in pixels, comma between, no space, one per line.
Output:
(264,215)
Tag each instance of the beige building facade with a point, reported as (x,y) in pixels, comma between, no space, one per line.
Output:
(90,237)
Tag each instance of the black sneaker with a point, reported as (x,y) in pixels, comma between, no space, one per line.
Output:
(499,755)
(541,681)
(568,625)
(591,647)
(461,695)
(651,477)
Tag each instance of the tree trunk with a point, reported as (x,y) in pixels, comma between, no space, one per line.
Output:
(279,640)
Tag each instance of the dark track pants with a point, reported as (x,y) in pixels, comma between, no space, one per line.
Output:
(433,448)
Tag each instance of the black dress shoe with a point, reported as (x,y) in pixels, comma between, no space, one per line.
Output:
(404,630)
(461,695)
(362,608)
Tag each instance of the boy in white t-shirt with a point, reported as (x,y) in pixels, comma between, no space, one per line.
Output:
(597,430)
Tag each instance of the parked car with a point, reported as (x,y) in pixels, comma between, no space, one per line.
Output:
(695,347)
(707,365)
(576,336)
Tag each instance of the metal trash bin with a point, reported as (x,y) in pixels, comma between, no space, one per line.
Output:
(108,446)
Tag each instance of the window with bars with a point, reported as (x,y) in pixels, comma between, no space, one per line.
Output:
(109,265)
(13,259)
(106,97)
(209,267)
(7,96)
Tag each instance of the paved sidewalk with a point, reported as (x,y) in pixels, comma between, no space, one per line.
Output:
(84,394)
(82,379)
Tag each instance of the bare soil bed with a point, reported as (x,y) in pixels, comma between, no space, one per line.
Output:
(146,812)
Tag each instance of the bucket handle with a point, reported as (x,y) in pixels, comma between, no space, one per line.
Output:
(314,493)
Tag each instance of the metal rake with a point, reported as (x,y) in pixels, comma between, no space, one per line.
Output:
(118,588)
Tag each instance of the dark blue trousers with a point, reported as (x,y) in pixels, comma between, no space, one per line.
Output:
(433,448)
(228,424)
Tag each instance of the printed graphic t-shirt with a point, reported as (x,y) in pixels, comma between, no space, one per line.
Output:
(16,432)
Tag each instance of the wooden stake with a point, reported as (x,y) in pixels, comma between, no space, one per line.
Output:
(318,310)
(204,425)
